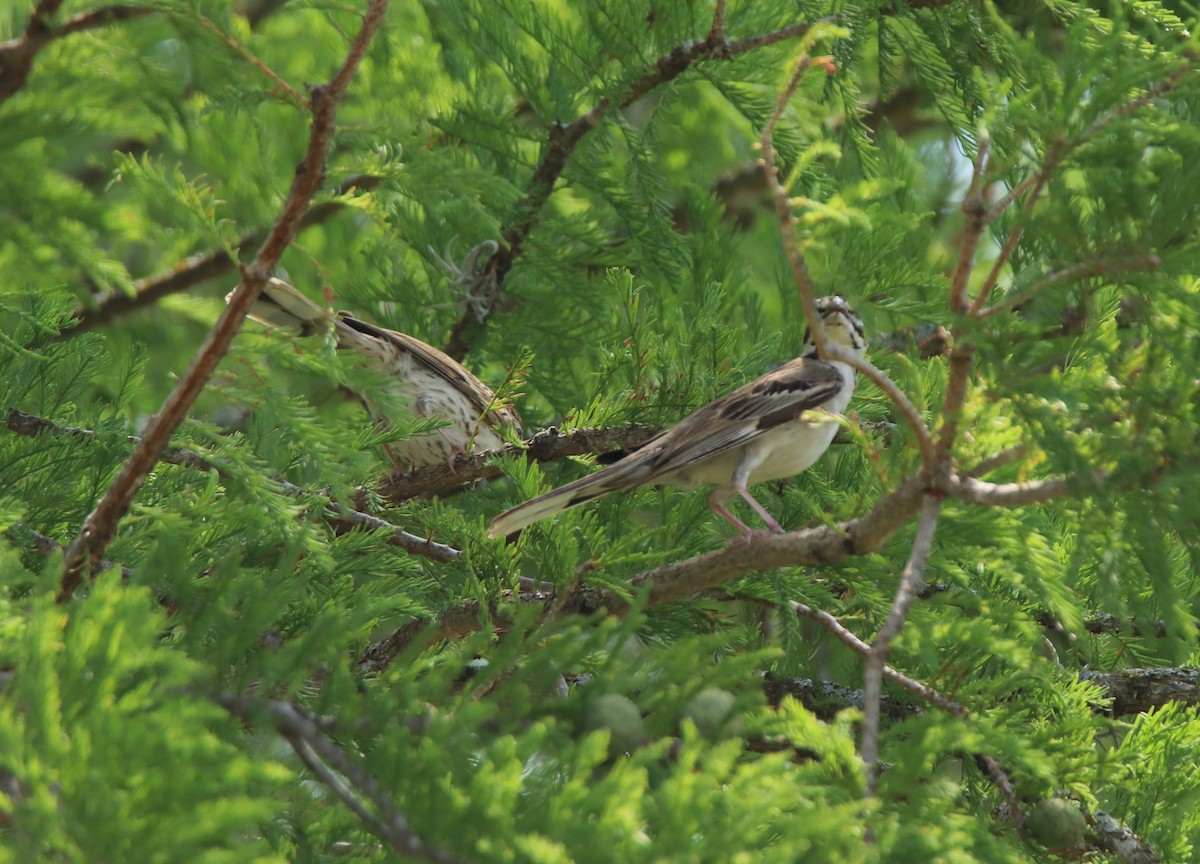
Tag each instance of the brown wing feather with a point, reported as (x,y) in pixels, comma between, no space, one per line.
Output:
(743,415)
(443,365)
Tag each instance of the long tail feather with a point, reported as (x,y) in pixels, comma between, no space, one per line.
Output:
(623,475)
(280,305)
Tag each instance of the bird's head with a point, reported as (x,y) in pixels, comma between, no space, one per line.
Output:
(842,326)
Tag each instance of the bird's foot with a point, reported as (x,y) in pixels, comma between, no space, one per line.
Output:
(751,534)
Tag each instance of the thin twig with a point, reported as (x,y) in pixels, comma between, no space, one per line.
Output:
(785,213)
(962,353)
(906,595)
(975,207)
(1000,777)
(246,54)
(922,691)
(1005,457)
(106,308)
(343,776)
(340,516)
(100,526)
(563,139)
(1078,270)
(1014,236)
(101,17)
(716,33)
(804,287)
(913,416)
(17,55)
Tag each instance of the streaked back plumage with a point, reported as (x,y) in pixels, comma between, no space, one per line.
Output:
(427,382)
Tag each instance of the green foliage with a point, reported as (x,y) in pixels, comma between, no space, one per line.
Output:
(652,279)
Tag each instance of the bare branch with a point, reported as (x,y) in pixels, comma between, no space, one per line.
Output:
(1133,691)
(906,594)
(105,308)
(1079,270)
(17,55)
(343,776)
(1013,494)
(915,421)
(717,33)
(998,461)
(563,139)
(283,87)
(1014,236)
(975,207)
(546,446)
(816,545)
(1000,777)
(786,214)
(100,525)
(923,691)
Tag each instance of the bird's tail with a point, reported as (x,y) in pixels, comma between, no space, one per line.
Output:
(627,473)
(280,305)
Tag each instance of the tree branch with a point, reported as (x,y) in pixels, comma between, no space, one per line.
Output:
(100,526)
(681,579)
(344,777)
(17,55)
(1134,691)
(1079,270)
(922,691)
(106,308)
(563,139)
(342,518)
(906,594)
(804,286)
(546,446)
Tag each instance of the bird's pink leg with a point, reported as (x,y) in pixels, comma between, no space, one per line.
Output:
(741,479)
(717,507)
(770,520)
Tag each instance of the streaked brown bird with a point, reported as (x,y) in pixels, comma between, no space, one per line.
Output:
(770,428)
(428,382)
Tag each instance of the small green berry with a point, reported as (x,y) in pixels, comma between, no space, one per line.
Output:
(621,717)
(1056,823)
(712,711)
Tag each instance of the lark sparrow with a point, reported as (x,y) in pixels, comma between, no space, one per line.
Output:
(768,429)
(428,382)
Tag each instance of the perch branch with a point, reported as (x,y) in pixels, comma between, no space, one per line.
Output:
(17,55)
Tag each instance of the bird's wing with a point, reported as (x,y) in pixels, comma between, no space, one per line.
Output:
(442,365)
(731,421)
(742,416)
